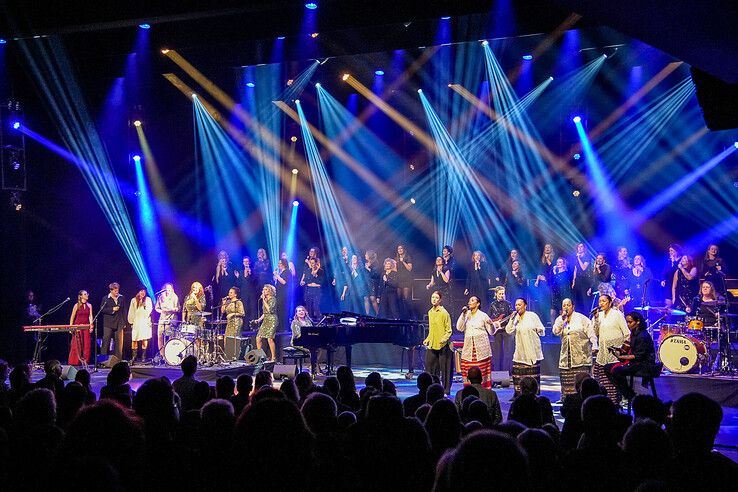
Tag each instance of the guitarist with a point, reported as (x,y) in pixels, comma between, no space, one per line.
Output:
(503,345)
(640,360)
(578,344)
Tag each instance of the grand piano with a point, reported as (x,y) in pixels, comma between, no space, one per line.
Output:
(346,329)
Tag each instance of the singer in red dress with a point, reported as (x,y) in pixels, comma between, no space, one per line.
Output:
(81,315)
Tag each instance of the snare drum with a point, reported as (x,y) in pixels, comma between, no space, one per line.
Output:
(176,350)
(682,353)
(188,330)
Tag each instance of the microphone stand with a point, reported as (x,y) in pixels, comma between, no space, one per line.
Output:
(94,322)
(51,311)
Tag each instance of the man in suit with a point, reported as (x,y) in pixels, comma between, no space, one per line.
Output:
(113,319)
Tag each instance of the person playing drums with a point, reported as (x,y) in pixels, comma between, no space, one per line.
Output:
(706,304)
(167,305)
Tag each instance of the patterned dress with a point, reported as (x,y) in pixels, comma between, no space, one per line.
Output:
(268,326)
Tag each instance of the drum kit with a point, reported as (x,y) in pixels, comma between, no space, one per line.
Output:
(689,345)
(206,342)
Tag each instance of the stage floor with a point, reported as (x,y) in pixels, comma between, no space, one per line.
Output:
(670,387)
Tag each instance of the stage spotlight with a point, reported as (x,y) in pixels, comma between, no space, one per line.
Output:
(314,35)
(577,156)
(576,193)
(280,37)
(485,42)
(735,144)
(311,5)
(16,125)
(164,51)
(527,57)
(412,200)
(250,84)
(290,82)
(145,26)
(137,123)
(345,77)
(379,72)
(297,101)
(412,167)
(420,91)
(317,85)
(194,95)
(295,171)
(550,78)
(446,17)
(3,40)
(136,158)
(576,119)
(293,139)
(295,203)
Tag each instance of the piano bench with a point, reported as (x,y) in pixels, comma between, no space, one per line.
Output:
(296,355)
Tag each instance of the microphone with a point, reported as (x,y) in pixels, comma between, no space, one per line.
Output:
(464,309)
(67,299)
(594,311)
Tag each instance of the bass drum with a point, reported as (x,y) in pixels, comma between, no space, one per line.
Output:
(682,353)
(176,350)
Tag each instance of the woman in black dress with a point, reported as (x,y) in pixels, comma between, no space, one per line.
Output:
(283,283)
(542,284)
(622,270)
(404,279)
(684,283)
(639,281)
(374,279)
(667,272)
(713,268)
(477,280)
(388,291)
(560,285)
(440,278)
(248,285)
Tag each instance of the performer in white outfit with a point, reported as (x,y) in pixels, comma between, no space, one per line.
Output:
(477,328)
(611,330)
(528,354)
(578,344)
(167,305)
(139,316)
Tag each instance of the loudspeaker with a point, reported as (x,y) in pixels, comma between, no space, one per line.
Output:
(284,371)
(107,361)
(501,377)
(255,356)
(69,373)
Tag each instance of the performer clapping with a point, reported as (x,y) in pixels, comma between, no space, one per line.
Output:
(528,354)
(81,315)
(578,342)
(477,328)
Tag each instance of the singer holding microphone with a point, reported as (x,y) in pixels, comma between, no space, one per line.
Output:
(232,307)
(167,305)
(578,345)
(611,330)
(477,328)
(194,305)
(268,320)
(114,321)
(81,315)
(528,354)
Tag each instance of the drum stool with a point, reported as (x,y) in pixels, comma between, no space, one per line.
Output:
(648,378)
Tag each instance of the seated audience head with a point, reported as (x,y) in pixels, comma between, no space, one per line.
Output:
(525,409)
(319,411)
(542,455)
(528,386)
(479,411)
(423,382)
(590,387)
(37,408)
(474,375)
(216,424)
(244,384)
(119,374)
(374,380)
(422,412)
(289,389)
(154,402)
(224,387)
(346,377)
(435,392)
(695,422)
(477,451)
(648,407)
(646,444)
(599,416)
(200,394)
(83,378)
(332,387)
(263,378)
(20,376)
(443,426)
(304,383)
(189,366)
(579,379)
(389,387)
(384,409)
(512,428)
(267,393)
(346,420)
(53,368)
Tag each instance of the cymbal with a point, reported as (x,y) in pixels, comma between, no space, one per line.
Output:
(202,313)
(661,309)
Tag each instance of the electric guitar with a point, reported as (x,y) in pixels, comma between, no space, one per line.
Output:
(502,322)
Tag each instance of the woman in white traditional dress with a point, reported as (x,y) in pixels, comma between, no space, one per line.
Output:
(139,317)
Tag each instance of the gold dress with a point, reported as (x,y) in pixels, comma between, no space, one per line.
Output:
(234,314)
